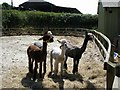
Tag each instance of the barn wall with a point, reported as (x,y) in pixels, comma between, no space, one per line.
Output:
(108,21)
(119,20)
(111,22)
(100,18)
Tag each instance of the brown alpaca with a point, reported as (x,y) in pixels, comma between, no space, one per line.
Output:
(38,55)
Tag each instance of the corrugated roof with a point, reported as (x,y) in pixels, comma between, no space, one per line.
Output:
(36,1)
(110,3)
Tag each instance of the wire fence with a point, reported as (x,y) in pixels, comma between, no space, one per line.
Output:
(40,31)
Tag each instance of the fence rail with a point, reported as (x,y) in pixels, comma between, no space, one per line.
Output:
(104,45)
(112,69)
(38,31)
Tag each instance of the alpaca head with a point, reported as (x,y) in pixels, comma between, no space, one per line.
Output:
(48,38)
(89,36)
(63,46)
(48,32)
(63,43)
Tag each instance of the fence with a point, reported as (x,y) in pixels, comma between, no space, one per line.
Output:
(39,31)
(112,69)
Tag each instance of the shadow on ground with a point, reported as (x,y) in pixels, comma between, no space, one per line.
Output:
(27,82)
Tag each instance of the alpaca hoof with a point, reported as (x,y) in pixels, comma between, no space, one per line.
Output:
(40,76)
(76,70)
(44,73)
(34,79)
(73,71)
(50,73)
(61,75)
(76,73)
(31,72)
(65,67)
(54,74)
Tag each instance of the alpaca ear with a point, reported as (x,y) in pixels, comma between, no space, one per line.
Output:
(60,47)
(86,32)
(59,41)
(40,38)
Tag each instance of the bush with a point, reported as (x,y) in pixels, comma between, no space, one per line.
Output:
(12,19)
(37,19)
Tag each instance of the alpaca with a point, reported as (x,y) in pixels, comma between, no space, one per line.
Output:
(76,52)
(38,55)
(58,54)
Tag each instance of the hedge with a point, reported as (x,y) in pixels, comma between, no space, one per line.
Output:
(37,19)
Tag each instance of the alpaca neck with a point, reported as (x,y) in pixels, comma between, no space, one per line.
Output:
(44,46)
(84,45)
(62,52)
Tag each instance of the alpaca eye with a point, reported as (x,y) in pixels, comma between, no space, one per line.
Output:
(65,44)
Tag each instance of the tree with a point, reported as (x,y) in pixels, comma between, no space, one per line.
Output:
(6,6)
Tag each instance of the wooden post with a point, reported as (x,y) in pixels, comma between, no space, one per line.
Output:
(116,83)
(117,71)
(110,75)
(116,42)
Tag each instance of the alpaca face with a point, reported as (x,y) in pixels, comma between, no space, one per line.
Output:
(48,38)
(63,46)
(48,32)
(89,36)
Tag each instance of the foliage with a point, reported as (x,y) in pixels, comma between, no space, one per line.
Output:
(6,6)
(37,19)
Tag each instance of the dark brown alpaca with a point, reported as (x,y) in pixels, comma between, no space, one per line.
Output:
(38,55)
(76,52)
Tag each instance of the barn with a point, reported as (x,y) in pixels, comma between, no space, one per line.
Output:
(41,5)
(109,20)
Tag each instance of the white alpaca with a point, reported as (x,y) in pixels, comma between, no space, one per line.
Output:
(58,54)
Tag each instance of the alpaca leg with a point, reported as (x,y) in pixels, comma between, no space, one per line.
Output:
(62,68)
(74,66)
(30,65)
(40,70)
(76,70)
(44,66)
(65,64)
(35,71)
(56,67)
(51,61)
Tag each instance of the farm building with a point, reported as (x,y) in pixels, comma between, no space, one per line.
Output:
(109,17)
(109,20)
(41,5)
